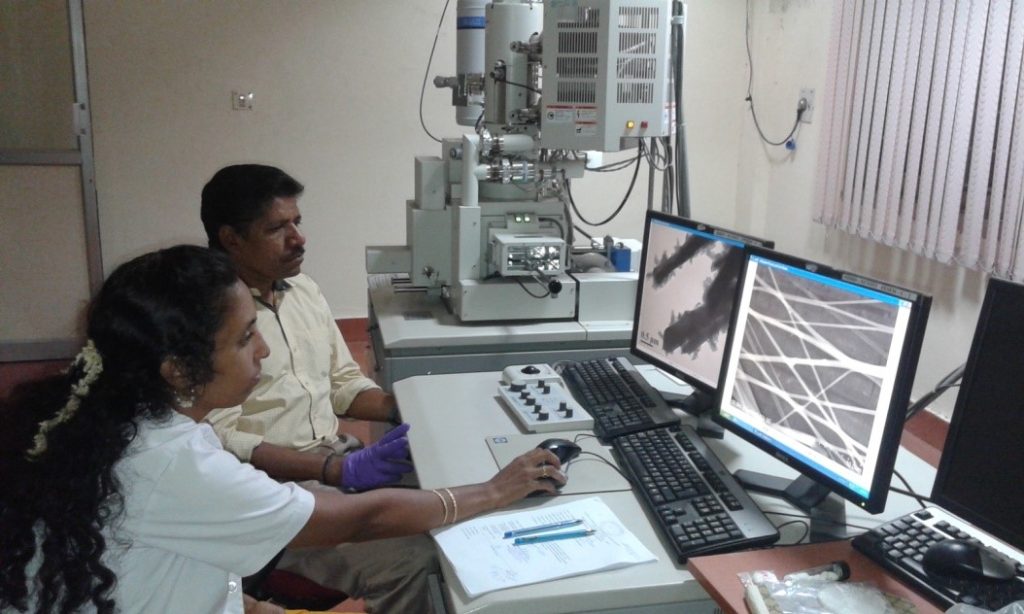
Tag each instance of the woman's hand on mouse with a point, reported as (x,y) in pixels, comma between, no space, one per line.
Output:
(527,473)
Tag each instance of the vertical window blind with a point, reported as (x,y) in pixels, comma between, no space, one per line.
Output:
(923,148)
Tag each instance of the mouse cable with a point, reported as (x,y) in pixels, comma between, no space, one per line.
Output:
(909,491)
(921,499)
(825,520)
(804,524)
(605,461)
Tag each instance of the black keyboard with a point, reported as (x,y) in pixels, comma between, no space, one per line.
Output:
(698,505)
(617,396)
(899,547)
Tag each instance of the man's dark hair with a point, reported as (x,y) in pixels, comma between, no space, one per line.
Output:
(240,194)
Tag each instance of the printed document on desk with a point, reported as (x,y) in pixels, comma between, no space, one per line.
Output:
(485,561)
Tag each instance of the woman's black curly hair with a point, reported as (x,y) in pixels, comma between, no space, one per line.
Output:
(166,304)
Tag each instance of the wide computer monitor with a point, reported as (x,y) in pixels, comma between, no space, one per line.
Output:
(685,299)
(979,475)
(818,373)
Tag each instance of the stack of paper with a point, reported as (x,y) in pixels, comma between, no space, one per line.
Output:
(484,560)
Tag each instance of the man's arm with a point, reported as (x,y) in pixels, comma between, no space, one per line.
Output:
(285,464)
(278,462)
(225,424)
(373,404)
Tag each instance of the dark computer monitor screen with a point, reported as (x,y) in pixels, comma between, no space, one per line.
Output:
(982,466)
(686,295)
(818,371)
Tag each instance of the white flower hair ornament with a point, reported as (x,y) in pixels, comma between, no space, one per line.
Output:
(92,365)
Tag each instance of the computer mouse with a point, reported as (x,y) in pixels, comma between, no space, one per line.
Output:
(564,449)
(956,558)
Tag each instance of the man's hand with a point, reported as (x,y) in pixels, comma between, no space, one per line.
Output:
(378,465)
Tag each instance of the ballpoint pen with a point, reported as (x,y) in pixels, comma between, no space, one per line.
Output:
(539,539)
(543,527)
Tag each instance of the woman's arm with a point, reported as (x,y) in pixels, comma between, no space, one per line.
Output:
(394,512)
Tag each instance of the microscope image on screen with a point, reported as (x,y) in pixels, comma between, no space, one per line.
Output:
(688,299)
(813,362)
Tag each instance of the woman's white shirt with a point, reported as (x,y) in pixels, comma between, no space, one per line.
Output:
(195,521)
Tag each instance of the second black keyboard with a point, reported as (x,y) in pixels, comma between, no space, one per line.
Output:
(899,546)
(698,505)
(617,396)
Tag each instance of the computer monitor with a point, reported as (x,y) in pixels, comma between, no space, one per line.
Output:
(979,475)
(818,373)
(685,299)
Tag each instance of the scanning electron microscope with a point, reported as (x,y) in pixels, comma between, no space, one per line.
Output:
(489,266)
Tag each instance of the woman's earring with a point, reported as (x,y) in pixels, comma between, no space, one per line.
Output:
(185,401)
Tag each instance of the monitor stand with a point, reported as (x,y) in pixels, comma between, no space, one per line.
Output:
(826,512)
(698,404)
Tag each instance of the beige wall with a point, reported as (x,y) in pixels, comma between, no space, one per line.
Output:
(336,87)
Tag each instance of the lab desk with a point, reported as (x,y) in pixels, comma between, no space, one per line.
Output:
(453,416)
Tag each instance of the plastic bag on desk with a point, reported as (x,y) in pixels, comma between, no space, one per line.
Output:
(1017,607)
(766,595)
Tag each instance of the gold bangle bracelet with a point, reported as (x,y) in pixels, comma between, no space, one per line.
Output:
(444,503)
(455,505)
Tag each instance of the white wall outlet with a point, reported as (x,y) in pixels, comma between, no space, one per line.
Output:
(806,100)
(241,101)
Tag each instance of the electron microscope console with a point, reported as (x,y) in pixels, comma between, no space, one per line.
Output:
(489,276)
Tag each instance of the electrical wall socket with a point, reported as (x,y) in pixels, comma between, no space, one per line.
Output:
(808,96)
(241,101)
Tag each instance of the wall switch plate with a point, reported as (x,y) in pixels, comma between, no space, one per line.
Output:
(241,101)
(806,96)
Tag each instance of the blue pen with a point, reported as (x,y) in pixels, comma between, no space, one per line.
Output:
(539,539)
(543,527)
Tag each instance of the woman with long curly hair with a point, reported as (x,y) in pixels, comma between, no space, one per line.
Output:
(116,497)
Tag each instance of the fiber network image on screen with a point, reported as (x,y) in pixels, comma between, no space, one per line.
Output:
(815,360)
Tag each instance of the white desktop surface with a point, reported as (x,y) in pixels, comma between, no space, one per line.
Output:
(451,415)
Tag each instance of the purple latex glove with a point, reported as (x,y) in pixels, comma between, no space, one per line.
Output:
(378,465)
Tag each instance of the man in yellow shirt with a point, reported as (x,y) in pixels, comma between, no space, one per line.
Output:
(289,425)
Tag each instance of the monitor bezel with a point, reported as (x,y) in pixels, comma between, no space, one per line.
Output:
(892,431)
(1011,535)
(634,347)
